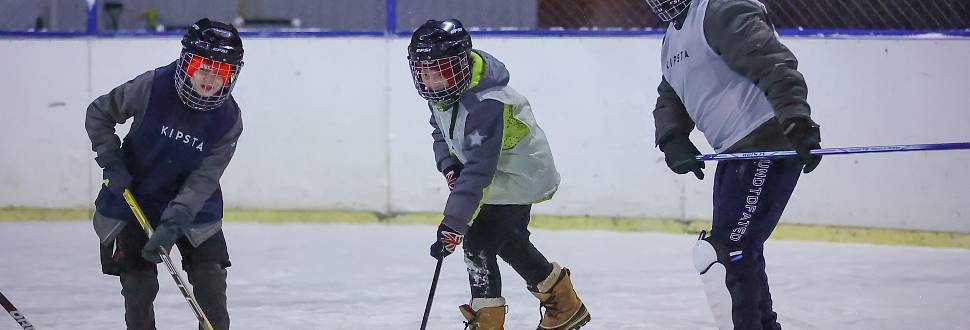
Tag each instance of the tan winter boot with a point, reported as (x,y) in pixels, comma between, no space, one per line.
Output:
(484,314)
(564,310)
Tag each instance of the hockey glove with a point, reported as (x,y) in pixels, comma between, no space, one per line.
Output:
(681,154)
(804,136)
(451,176)
(448,239)
(115,175)
(174,220)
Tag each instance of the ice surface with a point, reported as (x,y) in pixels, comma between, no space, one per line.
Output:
(308,276)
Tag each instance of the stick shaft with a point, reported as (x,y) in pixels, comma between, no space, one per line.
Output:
(17,316)
(837,151)
(434,285)
(179,281)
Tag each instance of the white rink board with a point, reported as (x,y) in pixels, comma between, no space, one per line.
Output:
(334,123)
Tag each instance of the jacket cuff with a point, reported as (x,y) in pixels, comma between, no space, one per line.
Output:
(112,159)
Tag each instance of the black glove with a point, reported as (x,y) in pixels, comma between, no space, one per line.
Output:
(115,175)
(680,155)
(451,175)
(804,136)
(174,220)
(448,239)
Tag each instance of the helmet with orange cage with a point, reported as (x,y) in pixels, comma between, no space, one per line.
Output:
(209,64)
(439,58)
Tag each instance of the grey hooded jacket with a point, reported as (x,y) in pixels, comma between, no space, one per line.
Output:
(130,100)
(740,32)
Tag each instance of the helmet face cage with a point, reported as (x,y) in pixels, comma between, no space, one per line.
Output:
(443,80)
(204,84)
(667,10)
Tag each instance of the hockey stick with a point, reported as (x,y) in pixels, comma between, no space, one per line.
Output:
(189,297)
(15,313)
(434,284)
(836,151)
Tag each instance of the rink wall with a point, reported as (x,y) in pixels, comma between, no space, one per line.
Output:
(334,123)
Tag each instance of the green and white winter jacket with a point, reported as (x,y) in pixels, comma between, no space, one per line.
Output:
(492,135)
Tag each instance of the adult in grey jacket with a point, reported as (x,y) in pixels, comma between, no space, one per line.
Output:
(726,72)
(497,163)
(182,137)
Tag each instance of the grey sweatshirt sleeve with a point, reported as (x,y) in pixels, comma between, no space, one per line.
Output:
(740,32)
(204,181)
(482,144)
(123,102)
(670,116)
(442,155)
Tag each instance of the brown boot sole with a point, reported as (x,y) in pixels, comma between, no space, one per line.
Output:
(578,321)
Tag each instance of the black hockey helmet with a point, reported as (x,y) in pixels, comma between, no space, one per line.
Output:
(439,58)
(667,10)
(214,49)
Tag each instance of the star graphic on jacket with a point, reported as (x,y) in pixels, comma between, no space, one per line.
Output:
(475,139)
